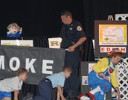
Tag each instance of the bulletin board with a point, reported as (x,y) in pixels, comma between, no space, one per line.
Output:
(110,35)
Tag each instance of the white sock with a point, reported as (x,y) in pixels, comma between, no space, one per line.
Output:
(97,89)
(84,98)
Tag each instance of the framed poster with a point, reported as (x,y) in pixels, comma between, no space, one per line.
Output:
(84,80)
(110,35)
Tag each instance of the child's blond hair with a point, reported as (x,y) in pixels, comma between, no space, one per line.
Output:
(13,25)
(21,71)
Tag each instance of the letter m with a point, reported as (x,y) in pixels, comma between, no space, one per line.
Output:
(2,62)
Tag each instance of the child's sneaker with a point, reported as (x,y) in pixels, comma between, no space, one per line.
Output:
(91,95)
(82,97)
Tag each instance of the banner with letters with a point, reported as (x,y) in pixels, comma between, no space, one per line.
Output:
(39,62)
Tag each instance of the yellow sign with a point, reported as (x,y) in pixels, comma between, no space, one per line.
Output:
(112,34)
(26,43)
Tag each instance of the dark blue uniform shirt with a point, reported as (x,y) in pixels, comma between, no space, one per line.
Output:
(71,33)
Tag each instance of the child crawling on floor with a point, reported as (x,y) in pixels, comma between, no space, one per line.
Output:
(13,84)
(56,80)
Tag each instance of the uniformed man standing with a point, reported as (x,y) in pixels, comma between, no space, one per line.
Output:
(73,36)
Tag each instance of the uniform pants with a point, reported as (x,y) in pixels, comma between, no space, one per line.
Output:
(45,90)
(72,59)
(94,81)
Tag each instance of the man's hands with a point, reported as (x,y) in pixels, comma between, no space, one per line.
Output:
(71,49)
(80,41)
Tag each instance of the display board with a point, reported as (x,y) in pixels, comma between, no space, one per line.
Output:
(110,35)
(26,43)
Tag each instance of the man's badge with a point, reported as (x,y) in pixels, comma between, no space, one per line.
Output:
(70,28)
(79,28)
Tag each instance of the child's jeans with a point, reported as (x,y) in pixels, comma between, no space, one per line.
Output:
(45,90)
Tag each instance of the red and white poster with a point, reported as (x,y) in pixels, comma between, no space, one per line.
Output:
(109,49)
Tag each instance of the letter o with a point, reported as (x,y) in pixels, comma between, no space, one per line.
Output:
(17,66)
